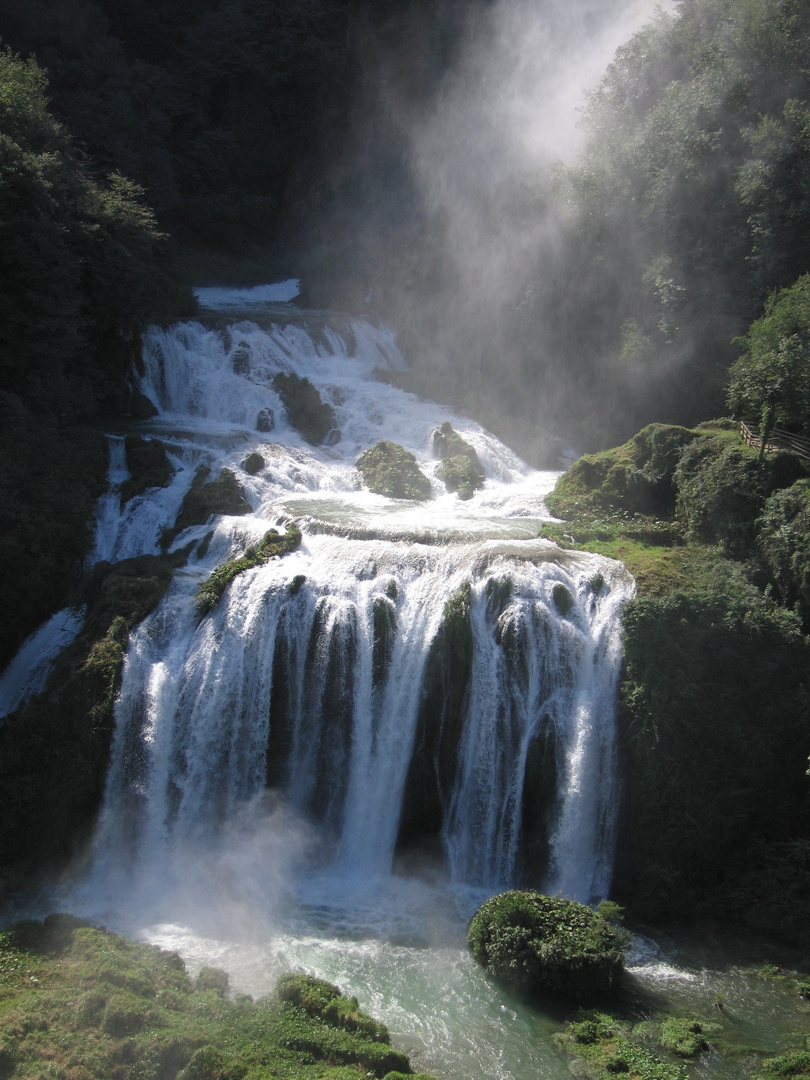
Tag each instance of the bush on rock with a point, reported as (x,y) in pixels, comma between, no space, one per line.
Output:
(542,944)
(389,469)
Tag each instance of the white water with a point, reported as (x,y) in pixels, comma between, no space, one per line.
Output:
(195,853)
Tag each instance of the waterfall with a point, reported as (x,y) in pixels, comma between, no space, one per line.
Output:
(420,682)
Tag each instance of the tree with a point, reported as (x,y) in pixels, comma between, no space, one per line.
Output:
(82,262)
(771,378)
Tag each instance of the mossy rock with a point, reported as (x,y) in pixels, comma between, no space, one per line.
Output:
(389,469)
(607,1046)
(461,469)
(563,600)
(54,751)
(208,497)
(148,465)
(310,416)
(253,464)
(272,545)
(210,978)
(637,477)
(543,944)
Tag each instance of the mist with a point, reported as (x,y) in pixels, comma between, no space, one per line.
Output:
(456,217)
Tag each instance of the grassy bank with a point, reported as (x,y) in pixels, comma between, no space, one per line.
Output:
(78,1002)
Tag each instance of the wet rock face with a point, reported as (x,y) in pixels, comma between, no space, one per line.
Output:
(311,417)
(388,469)
(148,464)
(265,421)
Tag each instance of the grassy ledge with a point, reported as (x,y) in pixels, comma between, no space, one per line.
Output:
(272,545)
(79,1003)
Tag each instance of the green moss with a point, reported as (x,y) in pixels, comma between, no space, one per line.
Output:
(795,1063)
(607,1045)
(310,416)
(686,1037)
(390,469)
(205,498)
(209,978)
(148,465)
(84,1003)
(272,545)
(54,751)
(542,944)
(460,469)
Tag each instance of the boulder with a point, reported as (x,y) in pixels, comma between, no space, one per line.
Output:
(461,468)
(310,416)
(389,469)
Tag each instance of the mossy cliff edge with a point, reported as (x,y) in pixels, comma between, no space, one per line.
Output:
(714,703)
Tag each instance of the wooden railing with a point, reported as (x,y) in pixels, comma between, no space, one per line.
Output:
(779,439)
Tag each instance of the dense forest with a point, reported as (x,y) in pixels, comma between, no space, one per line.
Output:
(238,140)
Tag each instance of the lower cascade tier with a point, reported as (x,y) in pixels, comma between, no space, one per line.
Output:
(450,704)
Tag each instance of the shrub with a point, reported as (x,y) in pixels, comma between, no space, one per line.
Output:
(538,943)
(783,539)
(209,978)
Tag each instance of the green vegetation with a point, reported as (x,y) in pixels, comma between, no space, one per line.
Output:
(713,704)
(783,543)
(50,478)
(610,1047)
(271,546)
(90,1004)
(389,469)
(770,382)
(310,416)
(541,944)
(81,259)
(685,1036)
(460,468)
(795,1064)
(206,497)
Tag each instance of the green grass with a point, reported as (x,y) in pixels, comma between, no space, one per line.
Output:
(79,1003)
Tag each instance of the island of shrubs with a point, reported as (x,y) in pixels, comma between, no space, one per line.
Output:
(541,944)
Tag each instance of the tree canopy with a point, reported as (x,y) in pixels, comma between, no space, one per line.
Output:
(771,379)
(80,258)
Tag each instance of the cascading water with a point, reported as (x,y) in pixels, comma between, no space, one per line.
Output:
(364,738)
(407,678)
